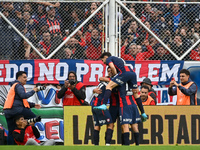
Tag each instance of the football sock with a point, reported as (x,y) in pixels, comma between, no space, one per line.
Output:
(96,137)
(136,136)
(126,138)
(122,138)
(106,96)
(109,134)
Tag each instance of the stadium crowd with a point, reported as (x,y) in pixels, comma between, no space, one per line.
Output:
(46,25)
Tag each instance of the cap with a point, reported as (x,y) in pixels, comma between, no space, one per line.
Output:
(49,8)
(147,81)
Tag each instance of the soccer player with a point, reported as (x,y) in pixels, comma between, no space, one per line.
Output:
(123,74)
(113,109)
(101,117)
(129,114)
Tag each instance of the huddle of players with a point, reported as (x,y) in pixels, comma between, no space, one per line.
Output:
(121,98)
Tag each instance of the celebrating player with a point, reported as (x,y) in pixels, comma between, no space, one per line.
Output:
(123,74)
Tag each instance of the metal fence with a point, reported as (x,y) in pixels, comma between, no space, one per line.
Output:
(80,30)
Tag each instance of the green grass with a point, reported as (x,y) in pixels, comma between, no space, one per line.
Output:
(146,147)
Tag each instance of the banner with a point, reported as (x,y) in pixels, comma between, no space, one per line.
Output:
(55,71)
(166,125)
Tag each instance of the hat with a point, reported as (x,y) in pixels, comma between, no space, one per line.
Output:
(147,81)
(49,8)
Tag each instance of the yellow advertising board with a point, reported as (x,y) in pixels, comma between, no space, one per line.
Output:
(166,125)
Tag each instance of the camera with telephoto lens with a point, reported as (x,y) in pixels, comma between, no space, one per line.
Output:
(72,82)
(36,119)
(40,87)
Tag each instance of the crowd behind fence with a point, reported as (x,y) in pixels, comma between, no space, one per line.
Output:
(46,25)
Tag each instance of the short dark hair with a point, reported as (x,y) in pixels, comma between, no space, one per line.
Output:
(185,71)
(145,87)
(19,73)
(17,118)
(105,54)
(73,72)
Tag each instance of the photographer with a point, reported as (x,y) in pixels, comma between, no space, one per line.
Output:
(73,92)
(16,103)
(26,133)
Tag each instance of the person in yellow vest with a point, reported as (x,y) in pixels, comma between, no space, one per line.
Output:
(145,97)
(16,103)
(186,91)
(73,91)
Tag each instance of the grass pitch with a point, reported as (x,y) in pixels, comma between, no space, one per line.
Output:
(193,147)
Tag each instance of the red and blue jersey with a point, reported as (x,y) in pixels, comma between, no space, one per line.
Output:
(98,98)
(54,25)
(114,99)
(119,64)
(126,96)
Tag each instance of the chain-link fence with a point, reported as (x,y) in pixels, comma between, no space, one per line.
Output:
(176,25)
(175,30)
(46,26)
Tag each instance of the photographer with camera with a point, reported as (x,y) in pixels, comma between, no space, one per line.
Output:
(26,133)
(73,92)
(16,103)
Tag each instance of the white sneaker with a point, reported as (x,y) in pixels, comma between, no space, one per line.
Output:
(107,144)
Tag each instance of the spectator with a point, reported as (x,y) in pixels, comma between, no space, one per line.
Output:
(38,15)
(97,19)
(78,16)
(186,91)
(151,91)
(45,44)
(56,5)
(167,37)
(132,32)
(34,55)
(175,19)
(7,34)
(133,53)
(16,103)
(94,45)
(23,51)
(146,12)
(145,33)
(162,54)
(178,46)
(65,13)
(52,22)
(185,37)
(9,6)
(29,27)
(157,25)
(196,30)
(68,53)
(153,42)
(73,91)
(195,54)
(146,99)
(27,134)
(27,8)
(139,48)
(77,50)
